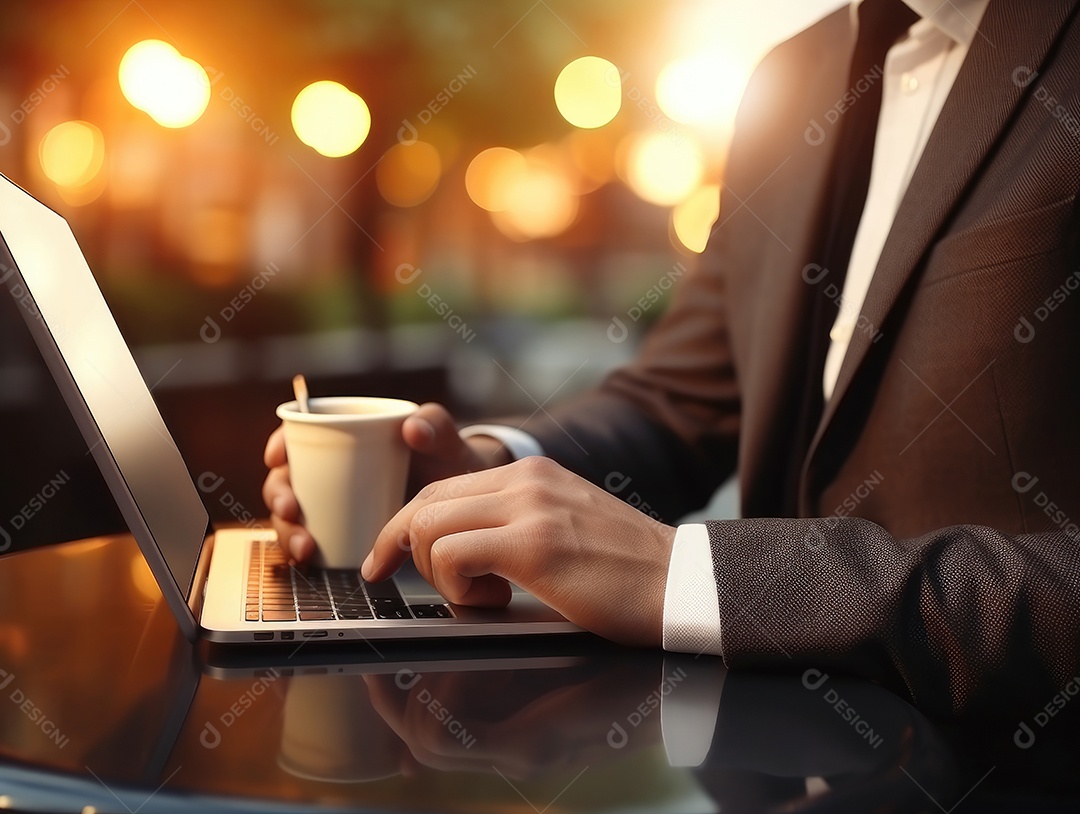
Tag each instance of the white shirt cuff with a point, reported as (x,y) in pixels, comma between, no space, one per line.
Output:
(517,442)
(691,604)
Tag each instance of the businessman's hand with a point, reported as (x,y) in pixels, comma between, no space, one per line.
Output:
(525,724)
(438,452)
(598,561)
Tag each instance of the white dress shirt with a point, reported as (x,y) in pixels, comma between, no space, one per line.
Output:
(919,72)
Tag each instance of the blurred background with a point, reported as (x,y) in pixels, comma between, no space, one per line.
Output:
(474,202)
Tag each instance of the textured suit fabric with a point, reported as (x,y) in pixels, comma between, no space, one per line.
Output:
(925,535)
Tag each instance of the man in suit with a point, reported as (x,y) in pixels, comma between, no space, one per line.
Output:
(887,356)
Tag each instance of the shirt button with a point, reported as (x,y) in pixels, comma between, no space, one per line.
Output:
(909,83)
(841,332)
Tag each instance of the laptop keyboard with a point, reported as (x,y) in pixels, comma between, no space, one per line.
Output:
(276,592)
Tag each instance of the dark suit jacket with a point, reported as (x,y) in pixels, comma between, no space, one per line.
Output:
(924,531)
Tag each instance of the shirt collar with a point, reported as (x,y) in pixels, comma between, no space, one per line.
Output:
(956,19)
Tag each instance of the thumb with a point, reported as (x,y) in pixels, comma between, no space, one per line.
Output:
(431,430)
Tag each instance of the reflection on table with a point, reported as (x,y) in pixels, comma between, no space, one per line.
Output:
(103,704)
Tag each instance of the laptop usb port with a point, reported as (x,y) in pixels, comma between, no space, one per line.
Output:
(264,637)
(315,634)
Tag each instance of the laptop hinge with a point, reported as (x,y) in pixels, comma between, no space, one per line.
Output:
(202,567)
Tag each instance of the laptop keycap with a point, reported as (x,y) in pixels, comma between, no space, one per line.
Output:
(276,592)
(279,616)
(311,612)
(355,612)
(383,590)
(431,612)
(392,612)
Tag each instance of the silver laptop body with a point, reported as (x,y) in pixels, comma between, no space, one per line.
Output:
(203,574)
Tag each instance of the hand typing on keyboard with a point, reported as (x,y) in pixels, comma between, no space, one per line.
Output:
(592,557)
(595,559)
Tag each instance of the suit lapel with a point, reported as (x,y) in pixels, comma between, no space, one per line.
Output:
(1011,35)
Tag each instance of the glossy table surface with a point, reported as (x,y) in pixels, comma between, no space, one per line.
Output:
(104,705)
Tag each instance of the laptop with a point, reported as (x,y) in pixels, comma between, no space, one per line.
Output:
(228,585)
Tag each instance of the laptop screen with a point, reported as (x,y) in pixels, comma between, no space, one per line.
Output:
(98,378)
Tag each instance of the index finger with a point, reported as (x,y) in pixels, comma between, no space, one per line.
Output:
(274,455)
(393,545)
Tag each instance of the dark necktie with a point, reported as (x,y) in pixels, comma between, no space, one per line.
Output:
(881,23)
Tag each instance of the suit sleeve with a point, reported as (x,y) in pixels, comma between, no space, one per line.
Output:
(956,619)
(661,432)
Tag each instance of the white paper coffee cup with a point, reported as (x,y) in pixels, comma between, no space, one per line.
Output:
(348,465)
(332,733)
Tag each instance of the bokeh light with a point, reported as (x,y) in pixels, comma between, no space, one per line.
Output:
(540,203)
(408,173)
(555,158)
(692,219)
(157,79)
(529,196)
(703,89)
(662,169)
(72,154)
(491,175)
(588,92)
(330,118)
